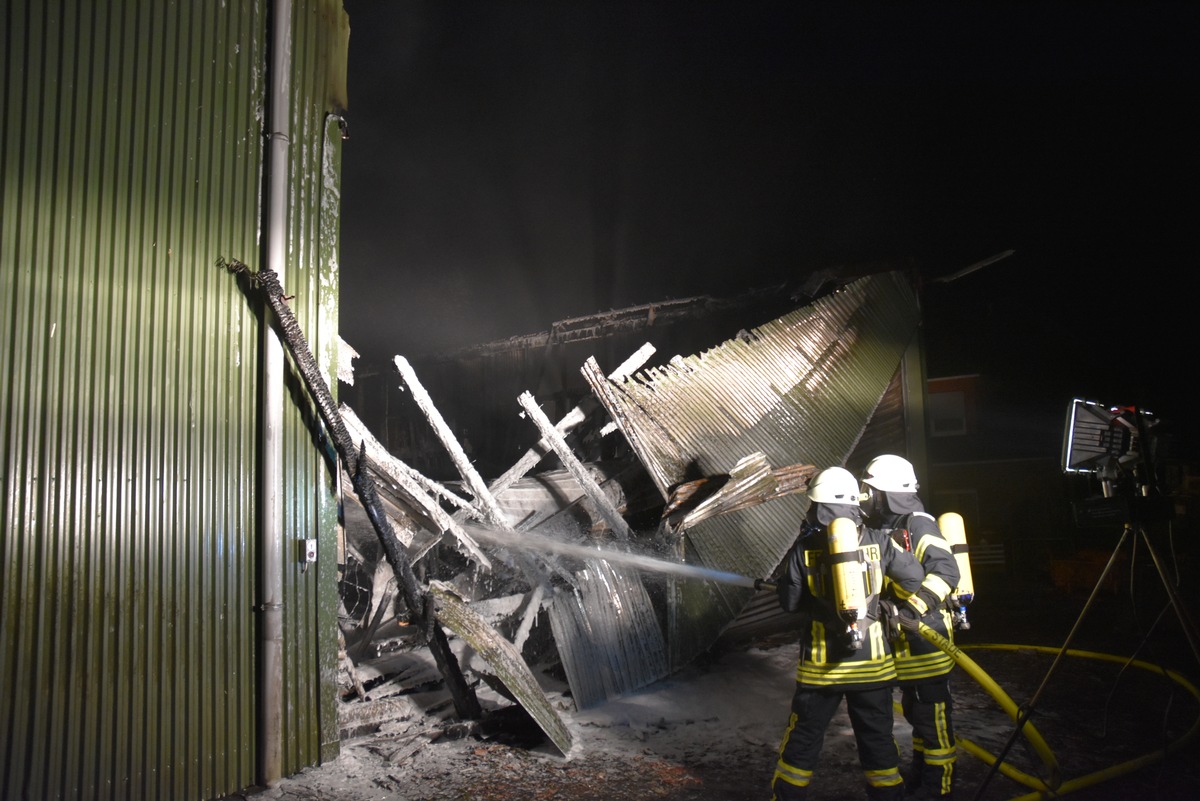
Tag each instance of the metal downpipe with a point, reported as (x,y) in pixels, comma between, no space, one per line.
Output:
(270,674)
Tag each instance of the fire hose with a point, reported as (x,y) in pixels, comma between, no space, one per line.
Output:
(1036,741)
(1055,786)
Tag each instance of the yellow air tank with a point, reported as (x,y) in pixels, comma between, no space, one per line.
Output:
(955,532)
(847,569)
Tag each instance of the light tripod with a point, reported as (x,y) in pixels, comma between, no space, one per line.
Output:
(1140,510)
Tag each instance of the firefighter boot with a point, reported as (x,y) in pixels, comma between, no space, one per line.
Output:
(912,778)
(892,793)
(925,794)
(784,791)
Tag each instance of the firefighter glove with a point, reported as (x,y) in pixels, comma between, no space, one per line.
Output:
(907,617)
(897,617)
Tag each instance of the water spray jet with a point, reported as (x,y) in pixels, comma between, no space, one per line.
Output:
(538,543)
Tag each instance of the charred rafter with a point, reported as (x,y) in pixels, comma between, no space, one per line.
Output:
(419,602)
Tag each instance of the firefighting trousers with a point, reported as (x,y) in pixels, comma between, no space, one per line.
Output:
(871,718)
(928,708)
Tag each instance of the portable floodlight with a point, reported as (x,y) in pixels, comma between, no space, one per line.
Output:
(1117,443)
(1100,439)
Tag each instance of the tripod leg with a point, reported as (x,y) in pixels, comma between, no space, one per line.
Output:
(1026,711)
(1185,620)
(1112,560)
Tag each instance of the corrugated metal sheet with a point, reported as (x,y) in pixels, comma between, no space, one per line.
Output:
(885,433)
(310,724)
(800,389)
(608,636)
(131,159)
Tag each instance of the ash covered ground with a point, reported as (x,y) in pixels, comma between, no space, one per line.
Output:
(711,730)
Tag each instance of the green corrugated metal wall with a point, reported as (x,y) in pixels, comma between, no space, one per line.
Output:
(132,158)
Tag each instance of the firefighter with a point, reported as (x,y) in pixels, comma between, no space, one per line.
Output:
(832,576)
(890,503)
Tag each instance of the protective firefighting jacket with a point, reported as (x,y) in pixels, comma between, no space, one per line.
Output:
(828,656)
(917,659)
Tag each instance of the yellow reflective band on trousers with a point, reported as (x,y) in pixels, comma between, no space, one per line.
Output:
(794,776)
(943,754)
(785,772)
(888,777)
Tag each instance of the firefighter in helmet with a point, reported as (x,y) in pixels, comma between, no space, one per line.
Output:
(832,576)
(890,503)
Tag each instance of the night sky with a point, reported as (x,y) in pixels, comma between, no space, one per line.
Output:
(515,163)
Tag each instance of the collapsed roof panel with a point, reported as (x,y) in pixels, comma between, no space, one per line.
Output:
(608,636)
(719,433)
(801,388)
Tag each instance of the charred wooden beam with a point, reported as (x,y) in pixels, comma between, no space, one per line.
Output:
(407,479)
(419,602)
(604,506)
(488,508)
(505,659)
(569,421)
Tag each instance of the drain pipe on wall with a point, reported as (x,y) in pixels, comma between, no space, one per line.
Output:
(270,673)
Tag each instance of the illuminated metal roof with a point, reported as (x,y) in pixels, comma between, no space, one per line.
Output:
(800,389)
(729,437)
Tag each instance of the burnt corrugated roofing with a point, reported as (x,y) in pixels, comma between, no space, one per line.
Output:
(800,389)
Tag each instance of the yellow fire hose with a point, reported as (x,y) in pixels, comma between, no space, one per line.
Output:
(1055,786)
(1009,706)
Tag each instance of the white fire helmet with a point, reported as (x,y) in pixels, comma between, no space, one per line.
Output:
(890,473)
(834,485)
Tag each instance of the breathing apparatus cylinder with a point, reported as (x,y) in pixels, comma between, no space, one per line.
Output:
(849,576)
(955,532)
